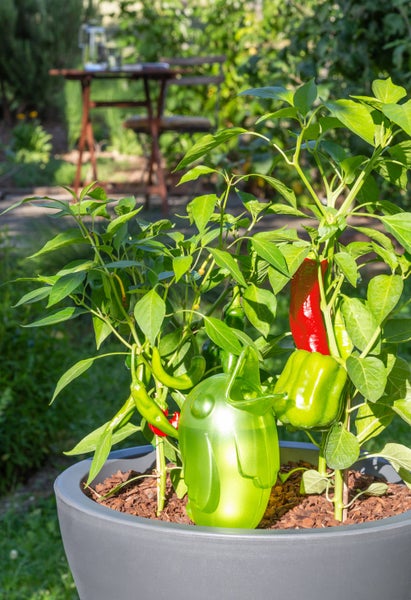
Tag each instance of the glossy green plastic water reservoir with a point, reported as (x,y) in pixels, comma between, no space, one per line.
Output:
(229,445)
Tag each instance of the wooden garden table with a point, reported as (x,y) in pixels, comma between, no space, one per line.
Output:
(152,101)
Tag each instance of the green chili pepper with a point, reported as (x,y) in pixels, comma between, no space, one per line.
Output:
(174,419)
(233,317)
(313,385)
(344,343)
(178,382)
(149,410)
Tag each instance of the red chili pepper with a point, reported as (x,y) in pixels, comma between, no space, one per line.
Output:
(174,419)
(306,319)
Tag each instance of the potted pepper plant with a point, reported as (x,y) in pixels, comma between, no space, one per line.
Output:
(212,378)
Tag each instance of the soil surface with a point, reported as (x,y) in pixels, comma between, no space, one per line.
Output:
(287,508)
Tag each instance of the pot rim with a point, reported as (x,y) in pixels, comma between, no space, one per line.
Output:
(67,489)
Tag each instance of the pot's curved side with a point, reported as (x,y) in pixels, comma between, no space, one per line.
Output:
(114,555)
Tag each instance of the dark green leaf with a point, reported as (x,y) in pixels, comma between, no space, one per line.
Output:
(64,286)
(69,237)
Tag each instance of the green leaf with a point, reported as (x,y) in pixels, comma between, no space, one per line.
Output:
(64,286)
(271,92)
(196,172)
(181,264)
(360,321)
(305,96)
(342,448)
(355,116)
(222,335)
(270,252)
(69,237)
(397,331)
(397,394)
(398,455)
(313,483)
(400,114)
(207,143)
(226,261)
(386,91)
(101,453)
(348,266)
(286,192)
(376,489)
(58,316)
(149,313)
(72,373)
(260,307)
(377,236)
(34,296)
(399,225)
(102,330)
(115,224)
(383,294)
(371,420)
(89,442)
(201,209)
(369,376)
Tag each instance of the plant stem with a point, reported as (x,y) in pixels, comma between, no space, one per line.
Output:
(322,463)
(339,495)
(161,474)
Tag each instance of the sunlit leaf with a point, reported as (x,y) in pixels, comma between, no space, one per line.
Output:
(222,335)
(369,376)
(399,225)
(260,307)
(383,294)
(226,261)
(360,321)
(71,374)
(181,265)
(342,448)
(270,252)
(149,313)
(355,116)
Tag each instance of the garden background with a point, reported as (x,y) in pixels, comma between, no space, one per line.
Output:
(343,44)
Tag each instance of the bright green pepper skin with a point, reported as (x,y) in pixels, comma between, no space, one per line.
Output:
(312,385)
(230,455)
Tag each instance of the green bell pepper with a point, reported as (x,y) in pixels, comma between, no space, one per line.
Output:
(312,387)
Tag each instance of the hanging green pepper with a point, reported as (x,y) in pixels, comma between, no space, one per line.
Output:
(233,317)
(313,385)
(149,410)
(174,419)
(178,382)
(344,343)
(306,320)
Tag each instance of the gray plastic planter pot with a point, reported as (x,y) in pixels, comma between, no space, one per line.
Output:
(118,556)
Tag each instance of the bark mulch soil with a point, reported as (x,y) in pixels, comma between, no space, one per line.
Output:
(287,508)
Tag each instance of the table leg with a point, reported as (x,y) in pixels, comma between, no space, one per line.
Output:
(86,134)
(155,154)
